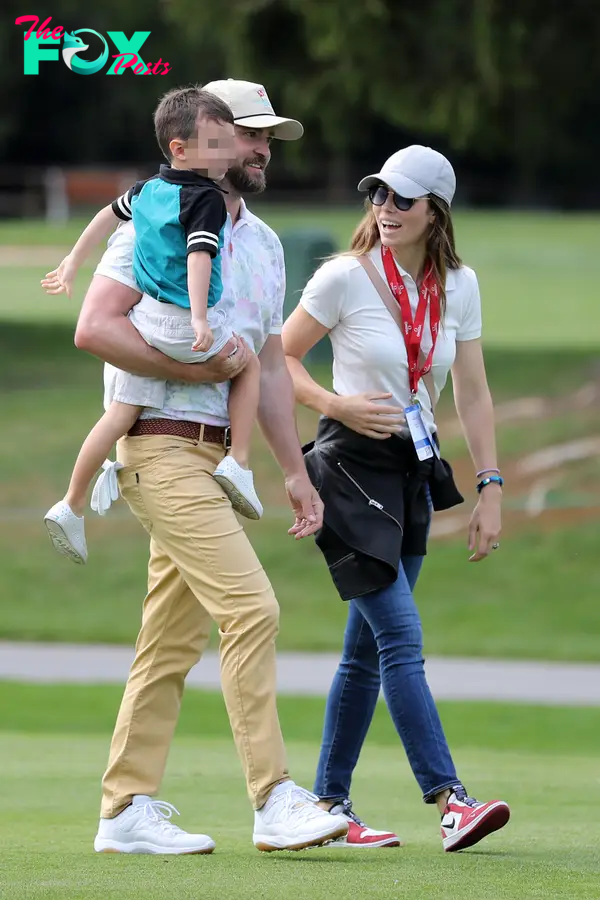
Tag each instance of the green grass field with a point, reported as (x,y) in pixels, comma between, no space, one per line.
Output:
(53,747)
(513,605)
(537,272)
(537,598)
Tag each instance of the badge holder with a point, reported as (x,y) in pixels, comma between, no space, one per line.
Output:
(424,444)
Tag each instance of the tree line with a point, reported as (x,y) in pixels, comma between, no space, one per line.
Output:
(510,89)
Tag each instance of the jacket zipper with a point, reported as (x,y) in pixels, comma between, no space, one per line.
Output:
(372,502)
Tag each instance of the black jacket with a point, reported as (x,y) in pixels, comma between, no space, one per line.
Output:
(376,504)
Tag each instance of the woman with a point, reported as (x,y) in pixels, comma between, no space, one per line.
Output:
(401,311)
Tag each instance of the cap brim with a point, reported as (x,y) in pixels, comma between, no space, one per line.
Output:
(283,129)
(398,183)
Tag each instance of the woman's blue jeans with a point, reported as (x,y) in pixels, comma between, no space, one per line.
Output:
(383,646)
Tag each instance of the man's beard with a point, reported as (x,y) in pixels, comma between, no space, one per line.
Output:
(243,183)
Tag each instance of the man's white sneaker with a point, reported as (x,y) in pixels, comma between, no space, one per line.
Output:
(290,820)
(238,484)
(144,827)
(67,532)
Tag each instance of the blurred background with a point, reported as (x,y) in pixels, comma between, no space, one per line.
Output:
(510,93)
(512,99)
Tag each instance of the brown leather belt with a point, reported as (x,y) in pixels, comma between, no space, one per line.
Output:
(197,431)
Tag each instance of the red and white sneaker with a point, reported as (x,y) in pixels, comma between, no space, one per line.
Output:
(359,835)
(466,821)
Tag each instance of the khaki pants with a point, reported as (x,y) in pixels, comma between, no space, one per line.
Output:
(202,567)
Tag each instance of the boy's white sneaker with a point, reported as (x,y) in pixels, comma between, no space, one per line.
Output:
(67,532)
(238,484)
(290,820)
(144,827)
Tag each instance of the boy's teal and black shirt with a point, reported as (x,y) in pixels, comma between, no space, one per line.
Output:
(174,213)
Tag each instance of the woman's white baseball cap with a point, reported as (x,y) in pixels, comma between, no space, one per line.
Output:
(252,108)
(414,172)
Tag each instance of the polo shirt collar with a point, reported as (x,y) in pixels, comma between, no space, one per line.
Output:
(186,176)
(450,279)
(450,273)
(245,217)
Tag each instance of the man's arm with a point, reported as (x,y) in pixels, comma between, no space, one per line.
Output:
(104,330)
(276,415)
(278,424)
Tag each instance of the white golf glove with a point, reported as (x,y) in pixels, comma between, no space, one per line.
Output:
(106,489)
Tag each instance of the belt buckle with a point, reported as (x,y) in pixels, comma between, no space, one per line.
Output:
(227,438)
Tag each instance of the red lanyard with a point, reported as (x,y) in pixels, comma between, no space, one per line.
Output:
(413,328)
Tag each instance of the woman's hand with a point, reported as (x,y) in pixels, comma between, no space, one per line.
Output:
(363,414)
(485,524)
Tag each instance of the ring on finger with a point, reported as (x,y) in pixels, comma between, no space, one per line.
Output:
(233,352)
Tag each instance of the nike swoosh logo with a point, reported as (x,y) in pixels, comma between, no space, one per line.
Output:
(369,832)
(450,824)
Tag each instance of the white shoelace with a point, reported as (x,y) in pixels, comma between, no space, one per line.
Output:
(308,795)
(160,812)
(297,801)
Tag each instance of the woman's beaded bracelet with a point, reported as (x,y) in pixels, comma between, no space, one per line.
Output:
(486,471)
(491,479)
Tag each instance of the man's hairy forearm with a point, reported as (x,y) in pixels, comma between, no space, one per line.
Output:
(276,416)
(105,331)
(115,340)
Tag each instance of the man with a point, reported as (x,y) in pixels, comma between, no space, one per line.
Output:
(202,566)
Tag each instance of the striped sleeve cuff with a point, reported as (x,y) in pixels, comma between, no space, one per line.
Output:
(203,240)
(122,207)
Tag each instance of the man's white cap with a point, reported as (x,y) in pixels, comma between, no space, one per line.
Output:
(252,108)
(414,172)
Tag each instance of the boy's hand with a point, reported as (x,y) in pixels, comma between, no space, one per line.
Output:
(61,280)
(218,368)
(204,336)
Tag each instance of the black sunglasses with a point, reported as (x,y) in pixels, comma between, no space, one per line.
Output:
(378,194)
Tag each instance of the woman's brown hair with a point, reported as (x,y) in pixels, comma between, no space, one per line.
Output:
(441,247)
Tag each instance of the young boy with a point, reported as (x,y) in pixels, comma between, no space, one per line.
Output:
(179,217)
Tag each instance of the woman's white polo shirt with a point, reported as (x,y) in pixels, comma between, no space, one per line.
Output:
(368,348)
